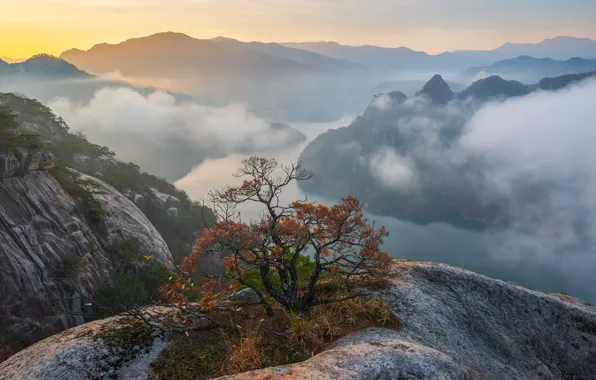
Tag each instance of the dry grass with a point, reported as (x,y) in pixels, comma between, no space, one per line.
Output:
(264,342)
(244,356)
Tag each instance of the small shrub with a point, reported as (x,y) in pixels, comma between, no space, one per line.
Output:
(83,191)
(245,355)
(136,279)
(325,325)
(87,203)
(302,330)
(70,267)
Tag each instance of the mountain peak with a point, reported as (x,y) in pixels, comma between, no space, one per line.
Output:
(437,90)
(494,87)
(46,64)
(169,35)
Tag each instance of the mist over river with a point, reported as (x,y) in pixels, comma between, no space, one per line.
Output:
(500,253)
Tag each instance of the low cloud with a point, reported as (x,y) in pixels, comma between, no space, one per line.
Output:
(531,156)
(536,153)
(394,170)
(166,137)
(382,102)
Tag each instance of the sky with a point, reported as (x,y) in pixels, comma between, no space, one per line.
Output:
(30,27)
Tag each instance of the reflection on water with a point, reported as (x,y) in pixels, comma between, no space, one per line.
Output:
(503,254)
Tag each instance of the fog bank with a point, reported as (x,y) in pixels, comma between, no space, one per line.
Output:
(166,137)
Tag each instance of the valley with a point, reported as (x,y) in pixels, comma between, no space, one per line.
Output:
(391,191)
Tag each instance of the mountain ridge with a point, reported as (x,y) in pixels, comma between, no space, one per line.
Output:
(581,47)
(42,65)
(530,69)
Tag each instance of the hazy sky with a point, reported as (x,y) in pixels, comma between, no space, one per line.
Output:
(33,26)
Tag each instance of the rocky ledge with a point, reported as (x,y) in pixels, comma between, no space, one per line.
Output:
(458,325)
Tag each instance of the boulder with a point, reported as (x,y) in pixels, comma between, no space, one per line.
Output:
(163,198)
(173,211)
(244,296)
(98,164)
(114,348)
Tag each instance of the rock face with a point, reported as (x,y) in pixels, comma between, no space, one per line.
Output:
(165,199)
(113,348)
(39,235)
(461,325)
(24,160)
(123,219)
(458,325)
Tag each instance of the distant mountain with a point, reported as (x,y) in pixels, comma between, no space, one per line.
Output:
(528,69)
(11,60)
(402,58)
(165,52)
(553,84)
(410,87)
(274,81)
(556,48)
(45,77)
(494,87)
(368,55)
(42,65)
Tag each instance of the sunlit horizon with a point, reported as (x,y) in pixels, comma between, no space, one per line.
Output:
(32,27)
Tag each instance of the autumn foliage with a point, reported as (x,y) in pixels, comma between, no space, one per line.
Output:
(338,238)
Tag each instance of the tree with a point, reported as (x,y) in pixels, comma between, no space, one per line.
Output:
(338,238)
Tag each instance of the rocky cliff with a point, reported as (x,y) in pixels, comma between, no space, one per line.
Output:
(52,258)
(39,235)
(458,325)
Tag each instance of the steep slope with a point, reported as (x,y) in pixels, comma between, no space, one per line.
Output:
(457,325)
(39,235)
(61,241)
